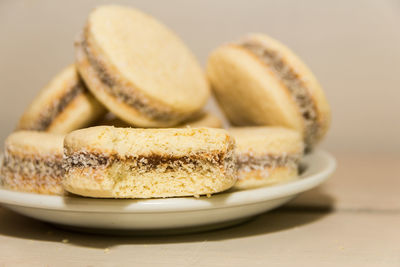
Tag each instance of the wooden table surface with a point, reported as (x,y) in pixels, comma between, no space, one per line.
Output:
(352,220)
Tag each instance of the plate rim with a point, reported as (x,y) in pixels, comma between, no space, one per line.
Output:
(307,181)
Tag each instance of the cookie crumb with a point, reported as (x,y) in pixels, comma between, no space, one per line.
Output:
(106,250)
(65,240)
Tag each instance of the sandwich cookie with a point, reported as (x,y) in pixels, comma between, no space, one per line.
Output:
(33,162)
(139,69)
(259,81)
(113,162)
(266,155)
(62,106)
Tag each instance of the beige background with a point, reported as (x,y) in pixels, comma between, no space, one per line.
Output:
(354,49)
(352,46)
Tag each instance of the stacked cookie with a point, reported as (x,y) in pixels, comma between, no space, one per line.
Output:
(259,81)
(134,73)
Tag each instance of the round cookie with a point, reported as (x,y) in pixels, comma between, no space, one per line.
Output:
(62,106)
(259,81)
(33,162)
(113,162)
(266,155)
(140,70)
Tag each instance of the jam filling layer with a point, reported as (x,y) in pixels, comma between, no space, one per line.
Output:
(148,162)
(293,83)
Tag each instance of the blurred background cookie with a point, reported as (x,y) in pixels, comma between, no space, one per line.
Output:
(259,81)
(139,69)
(203,119)
(33,162)
(266,155)
(62,106)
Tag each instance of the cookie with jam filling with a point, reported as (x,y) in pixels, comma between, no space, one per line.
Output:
(109,162)
(62,106)
(139,69)
(260,82)
(32,162)
(266,155)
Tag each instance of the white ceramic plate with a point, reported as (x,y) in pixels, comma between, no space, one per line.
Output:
(169,215)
